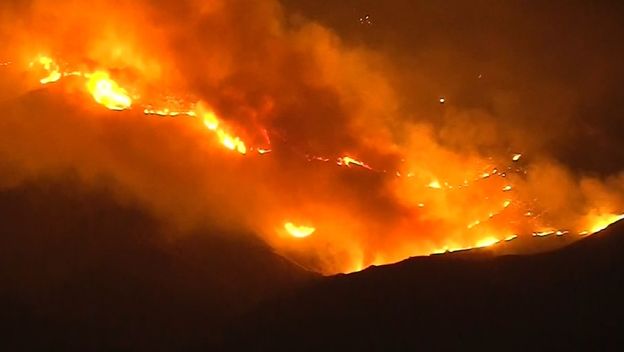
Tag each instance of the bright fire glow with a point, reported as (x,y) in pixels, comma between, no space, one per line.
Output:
(51,67)
(435,184)
(469,200)
(348,161)
(211,121)
(231,143)
(487,242)
(298,231)
(107,92)
(603,221)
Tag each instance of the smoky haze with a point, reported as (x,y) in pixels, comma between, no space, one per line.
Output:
(308,79)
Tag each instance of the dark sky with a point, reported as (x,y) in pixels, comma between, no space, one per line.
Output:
(554,68)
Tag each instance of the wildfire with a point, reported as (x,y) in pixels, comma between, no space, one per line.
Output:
(348,161)
(167,113)
(435,184)
(211,121)
(298,231)
(51,67)
(601,222)
(470,203)
(232,143)
(107,92)
(487,242)
(510,238)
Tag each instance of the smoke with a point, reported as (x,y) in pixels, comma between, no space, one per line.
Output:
(442,174)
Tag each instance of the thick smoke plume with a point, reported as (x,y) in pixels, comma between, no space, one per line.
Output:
(436,176)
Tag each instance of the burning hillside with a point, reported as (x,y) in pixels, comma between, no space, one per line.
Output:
(269,123)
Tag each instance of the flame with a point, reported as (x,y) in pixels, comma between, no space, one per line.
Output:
(107,92)
(487,242)
(348,161)
(601,222)
(232,143)
(298,231)
(435,184)
(211,121)
(464,213)
(543,233)
(104,90)
(473,224)
(166,112)
(51,67)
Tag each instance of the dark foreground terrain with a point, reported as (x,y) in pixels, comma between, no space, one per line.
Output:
(569,299)
(79,272)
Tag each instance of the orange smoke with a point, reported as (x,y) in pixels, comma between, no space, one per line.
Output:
(340,150)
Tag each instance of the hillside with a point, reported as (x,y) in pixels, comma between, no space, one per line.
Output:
(79,271)
(570,298)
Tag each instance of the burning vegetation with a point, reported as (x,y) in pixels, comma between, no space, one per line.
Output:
(249,123)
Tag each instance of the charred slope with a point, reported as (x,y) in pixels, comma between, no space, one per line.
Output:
(80,272)
(570,298)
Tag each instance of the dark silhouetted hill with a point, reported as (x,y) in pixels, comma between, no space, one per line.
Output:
(569,299)
(79,272)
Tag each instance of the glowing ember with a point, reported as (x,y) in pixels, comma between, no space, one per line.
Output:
(435,184)
(603,221)
(543,233)
(473,224)
(348,161)
(231,143)
(298,231)
(486,242)
(511,238)
(516,157)
(107,92)
(166,112)
(212,122)
(51,67)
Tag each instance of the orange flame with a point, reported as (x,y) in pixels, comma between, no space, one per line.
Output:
(51,67)
(107,92)
(298,231)
(601,222)
(348,161)
(487,242)
(478,222)
(211,121)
